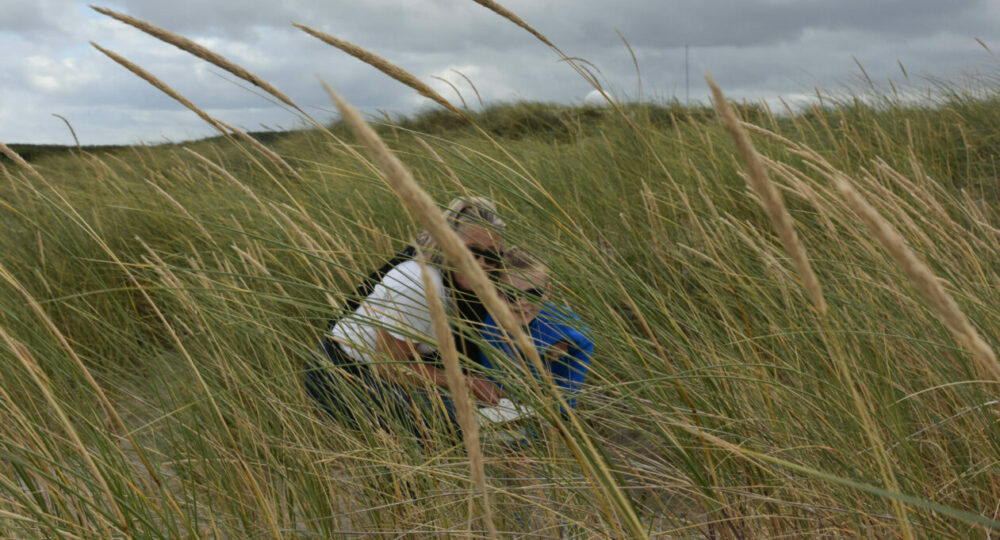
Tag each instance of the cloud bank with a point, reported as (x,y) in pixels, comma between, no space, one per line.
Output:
(755,49)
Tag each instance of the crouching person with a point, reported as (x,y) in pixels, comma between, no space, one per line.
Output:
(378,364)
(557,333)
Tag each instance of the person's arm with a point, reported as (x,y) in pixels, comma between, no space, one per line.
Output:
(402,352)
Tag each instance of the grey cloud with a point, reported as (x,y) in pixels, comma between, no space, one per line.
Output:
(753,48)
(386,25)
(459,26)
(740,23)
(22,17)
(231,19)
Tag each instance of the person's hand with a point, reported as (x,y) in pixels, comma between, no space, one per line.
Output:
(556,352)
(485,390)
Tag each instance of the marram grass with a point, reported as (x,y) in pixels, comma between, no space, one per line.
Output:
(191,283)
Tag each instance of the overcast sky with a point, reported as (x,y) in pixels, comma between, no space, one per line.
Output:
(755,49)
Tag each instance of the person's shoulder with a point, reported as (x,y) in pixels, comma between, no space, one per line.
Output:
(408,271)
(408,266)
(407,274)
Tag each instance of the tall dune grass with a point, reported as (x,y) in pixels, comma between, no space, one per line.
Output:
(191,283)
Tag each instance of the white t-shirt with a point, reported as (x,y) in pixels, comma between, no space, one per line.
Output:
(398,305)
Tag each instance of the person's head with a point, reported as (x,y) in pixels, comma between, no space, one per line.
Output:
(526,284)
(477,223)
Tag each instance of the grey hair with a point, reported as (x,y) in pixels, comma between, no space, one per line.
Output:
(477,211)
(516,258)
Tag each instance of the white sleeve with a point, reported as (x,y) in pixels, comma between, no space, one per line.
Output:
(401,307)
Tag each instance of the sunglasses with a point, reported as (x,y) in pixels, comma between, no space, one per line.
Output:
(533,295)
(493,257)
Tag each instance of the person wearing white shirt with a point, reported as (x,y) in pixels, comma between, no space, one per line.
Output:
(383,349)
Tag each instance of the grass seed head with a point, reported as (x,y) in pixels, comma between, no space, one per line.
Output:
(770,199)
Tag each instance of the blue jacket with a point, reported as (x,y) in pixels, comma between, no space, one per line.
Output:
(553,325)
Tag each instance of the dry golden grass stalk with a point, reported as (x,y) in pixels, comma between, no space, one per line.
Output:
(510,16)
(413,82)
(71,131)
(205,54)
(38,376)
(948,311)
(464,406)
(422,208)
(184,211)
(382,65)
(161,86)
(109,409)
(40,379)
(175,338)
(116,420)
(222,127)
(163,270)
(772,135)
(225,174)
(840,358)
(259,146)
(580,65)
(454,88)
(451,174)
(770,198)
(821,200)
(16,158)
(252,261)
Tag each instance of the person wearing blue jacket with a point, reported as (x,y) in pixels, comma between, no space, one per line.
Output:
(558,334)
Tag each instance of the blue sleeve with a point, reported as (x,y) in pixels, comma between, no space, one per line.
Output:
(555,325)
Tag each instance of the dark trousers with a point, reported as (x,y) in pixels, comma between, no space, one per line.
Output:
(350,392)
